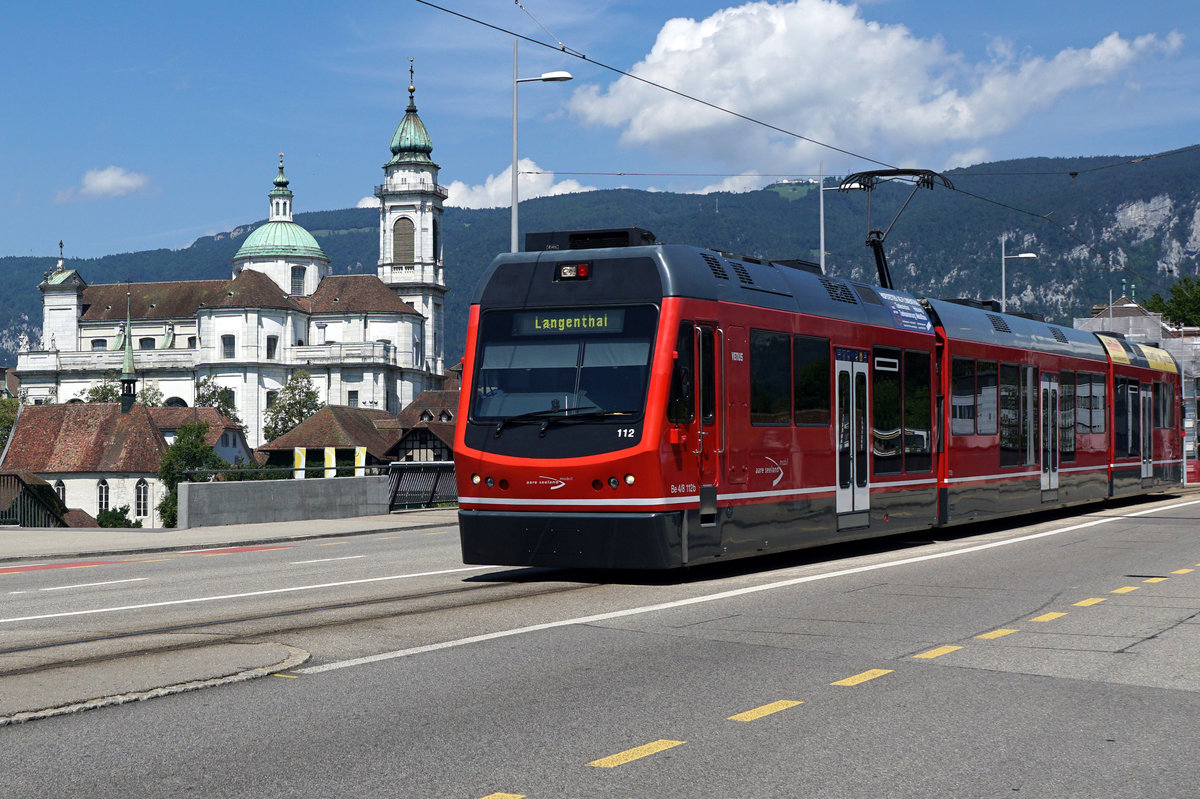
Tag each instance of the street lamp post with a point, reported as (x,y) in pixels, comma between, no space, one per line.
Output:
(821,189)
(1003,278)
(544,77)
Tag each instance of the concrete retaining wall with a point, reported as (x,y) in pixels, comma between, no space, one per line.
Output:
(251,501)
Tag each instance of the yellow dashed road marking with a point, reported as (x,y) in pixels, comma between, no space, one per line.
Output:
(1183,571)
(1087,603)
(858,679)
(333,544)
(1048,617)
(637,753)
(505,796)
(937,653)
(1124,590)
(765,710)
(1155,580)
(997,633)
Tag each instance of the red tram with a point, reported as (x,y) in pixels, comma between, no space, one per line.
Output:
(627,404)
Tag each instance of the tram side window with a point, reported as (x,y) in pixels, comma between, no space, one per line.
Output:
(810,380)
(1029,415)
(770,378)
(887,412)
(985,398)
(1010,415)
(1099,404)
(708,377)
(1127,422)
(1163,406)
(962,397)
(680,401)
(918,413)
(1066,415)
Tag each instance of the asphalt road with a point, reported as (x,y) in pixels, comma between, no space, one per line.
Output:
(1056,660)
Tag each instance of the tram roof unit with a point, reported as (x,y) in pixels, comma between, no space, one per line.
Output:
(967,323)
(697,273)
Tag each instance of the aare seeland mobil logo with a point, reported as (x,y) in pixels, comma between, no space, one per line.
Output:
(553,483)
(776,468)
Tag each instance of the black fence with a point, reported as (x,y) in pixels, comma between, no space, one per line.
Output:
(21,504)
(422,484)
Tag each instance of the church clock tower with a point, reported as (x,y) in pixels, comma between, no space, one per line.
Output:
(410,246)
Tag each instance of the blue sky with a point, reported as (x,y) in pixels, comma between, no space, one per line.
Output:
(135,125)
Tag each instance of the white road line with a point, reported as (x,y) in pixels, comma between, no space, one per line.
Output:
(89,585)
(325,560)
(241,596)
(617,614)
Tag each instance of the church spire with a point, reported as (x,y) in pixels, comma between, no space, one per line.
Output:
(128,377)
(411,143)
(280,197)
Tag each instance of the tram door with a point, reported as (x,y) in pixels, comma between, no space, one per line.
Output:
(853,435)
(1051,446)
(709,444)
(1147,432)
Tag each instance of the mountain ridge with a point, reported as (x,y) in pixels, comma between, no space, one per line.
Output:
(1093,221)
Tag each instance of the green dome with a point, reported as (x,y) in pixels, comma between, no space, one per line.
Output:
(279,240)
(411,143)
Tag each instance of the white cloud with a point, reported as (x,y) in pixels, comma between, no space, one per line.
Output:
(737,184)
(112,181)
(819,68)
(496,191)
(368,202)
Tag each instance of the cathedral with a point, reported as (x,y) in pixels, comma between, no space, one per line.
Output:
(366,340)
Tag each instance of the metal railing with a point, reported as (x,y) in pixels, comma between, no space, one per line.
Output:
(422,484)
(21,505)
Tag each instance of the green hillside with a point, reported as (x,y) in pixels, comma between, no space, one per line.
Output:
(1112,221)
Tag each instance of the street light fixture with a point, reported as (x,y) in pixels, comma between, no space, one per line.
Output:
(1003,279)
(545,77)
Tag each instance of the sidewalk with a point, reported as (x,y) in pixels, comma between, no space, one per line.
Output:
(38,543)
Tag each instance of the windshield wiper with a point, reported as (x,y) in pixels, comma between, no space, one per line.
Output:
(531,416)
(581,417)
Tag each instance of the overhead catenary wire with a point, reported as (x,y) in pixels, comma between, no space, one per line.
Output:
(563,48)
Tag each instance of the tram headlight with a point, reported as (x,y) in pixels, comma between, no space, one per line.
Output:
(630,479)
(612,482)
(475,479)
(489,482)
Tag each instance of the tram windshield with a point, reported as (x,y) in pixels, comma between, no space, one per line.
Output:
(563,362)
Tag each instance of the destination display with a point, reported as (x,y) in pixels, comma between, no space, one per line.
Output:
(574,320)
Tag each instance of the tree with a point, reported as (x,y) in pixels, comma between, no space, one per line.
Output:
(8,415)
(211,395)
(150,396)
(116,517)
(297,401)
(190,451)
(107,390)
(1183,306)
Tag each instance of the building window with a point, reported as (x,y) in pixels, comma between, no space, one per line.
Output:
(102,495)
(271,397)
(298,273)
(191,342)
(227,347)
(99,344)
(272,347)
(60,488)
(403,251)
(142,499)
(145,343)
(352,399)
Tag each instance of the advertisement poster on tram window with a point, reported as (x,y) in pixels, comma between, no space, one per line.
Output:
(907,313)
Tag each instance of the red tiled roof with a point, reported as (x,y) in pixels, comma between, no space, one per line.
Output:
(253,289)
(175,418)
(341,427)
(175,300)
(433,401)
(85,437)
(356,294)
(76,517)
